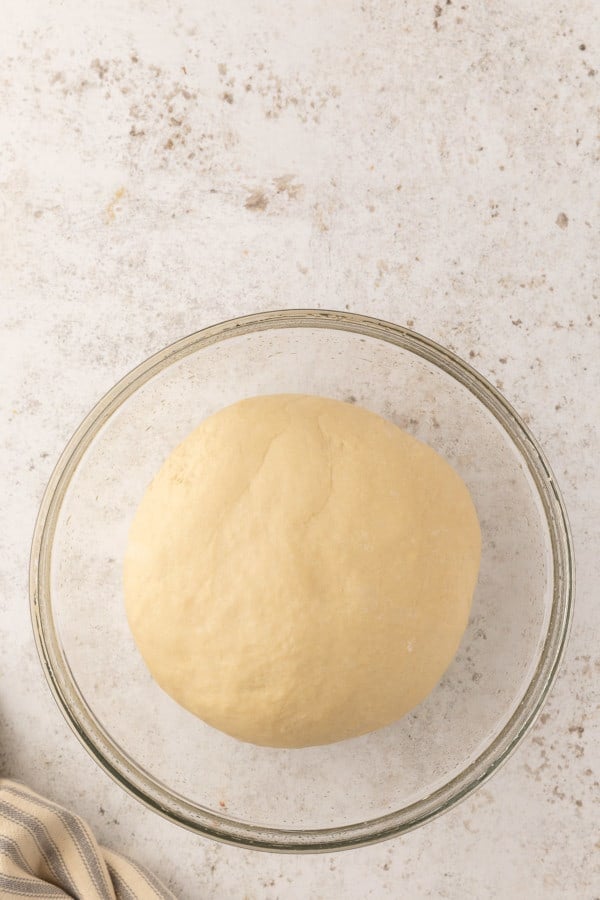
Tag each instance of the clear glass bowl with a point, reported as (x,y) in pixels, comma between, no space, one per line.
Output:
(357,791)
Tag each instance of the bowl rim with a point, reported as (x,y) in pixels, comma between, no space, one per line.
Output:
(139,783)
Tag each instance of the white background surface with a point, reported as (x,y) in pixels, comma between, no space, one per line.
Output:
(164,166)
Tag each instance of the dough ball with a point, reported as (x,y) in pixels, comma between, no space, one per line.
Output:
(301,571)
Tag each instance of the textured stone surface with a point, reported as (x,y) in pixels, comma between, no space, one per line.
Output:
(164,166)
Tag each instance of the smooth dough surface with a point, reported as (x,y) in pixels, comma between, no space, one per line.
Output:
(301,571)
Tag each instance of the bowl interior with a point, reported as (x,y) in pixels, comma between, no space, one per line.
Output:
(356,780)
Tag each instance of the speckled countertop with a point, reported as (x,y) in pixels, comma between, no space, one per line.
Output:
(167,165)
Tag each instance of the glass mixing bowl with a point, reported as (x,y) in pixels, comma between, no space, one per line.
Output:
(357,791)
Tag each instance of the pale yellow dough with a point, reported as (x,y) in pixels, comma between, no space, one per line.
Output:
(301,571)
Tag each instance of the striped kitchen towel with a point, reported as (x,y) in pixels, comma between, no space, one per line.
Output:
(48,852)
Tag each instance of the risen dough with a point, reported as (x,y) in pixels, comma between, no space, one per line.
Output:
(301,571)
